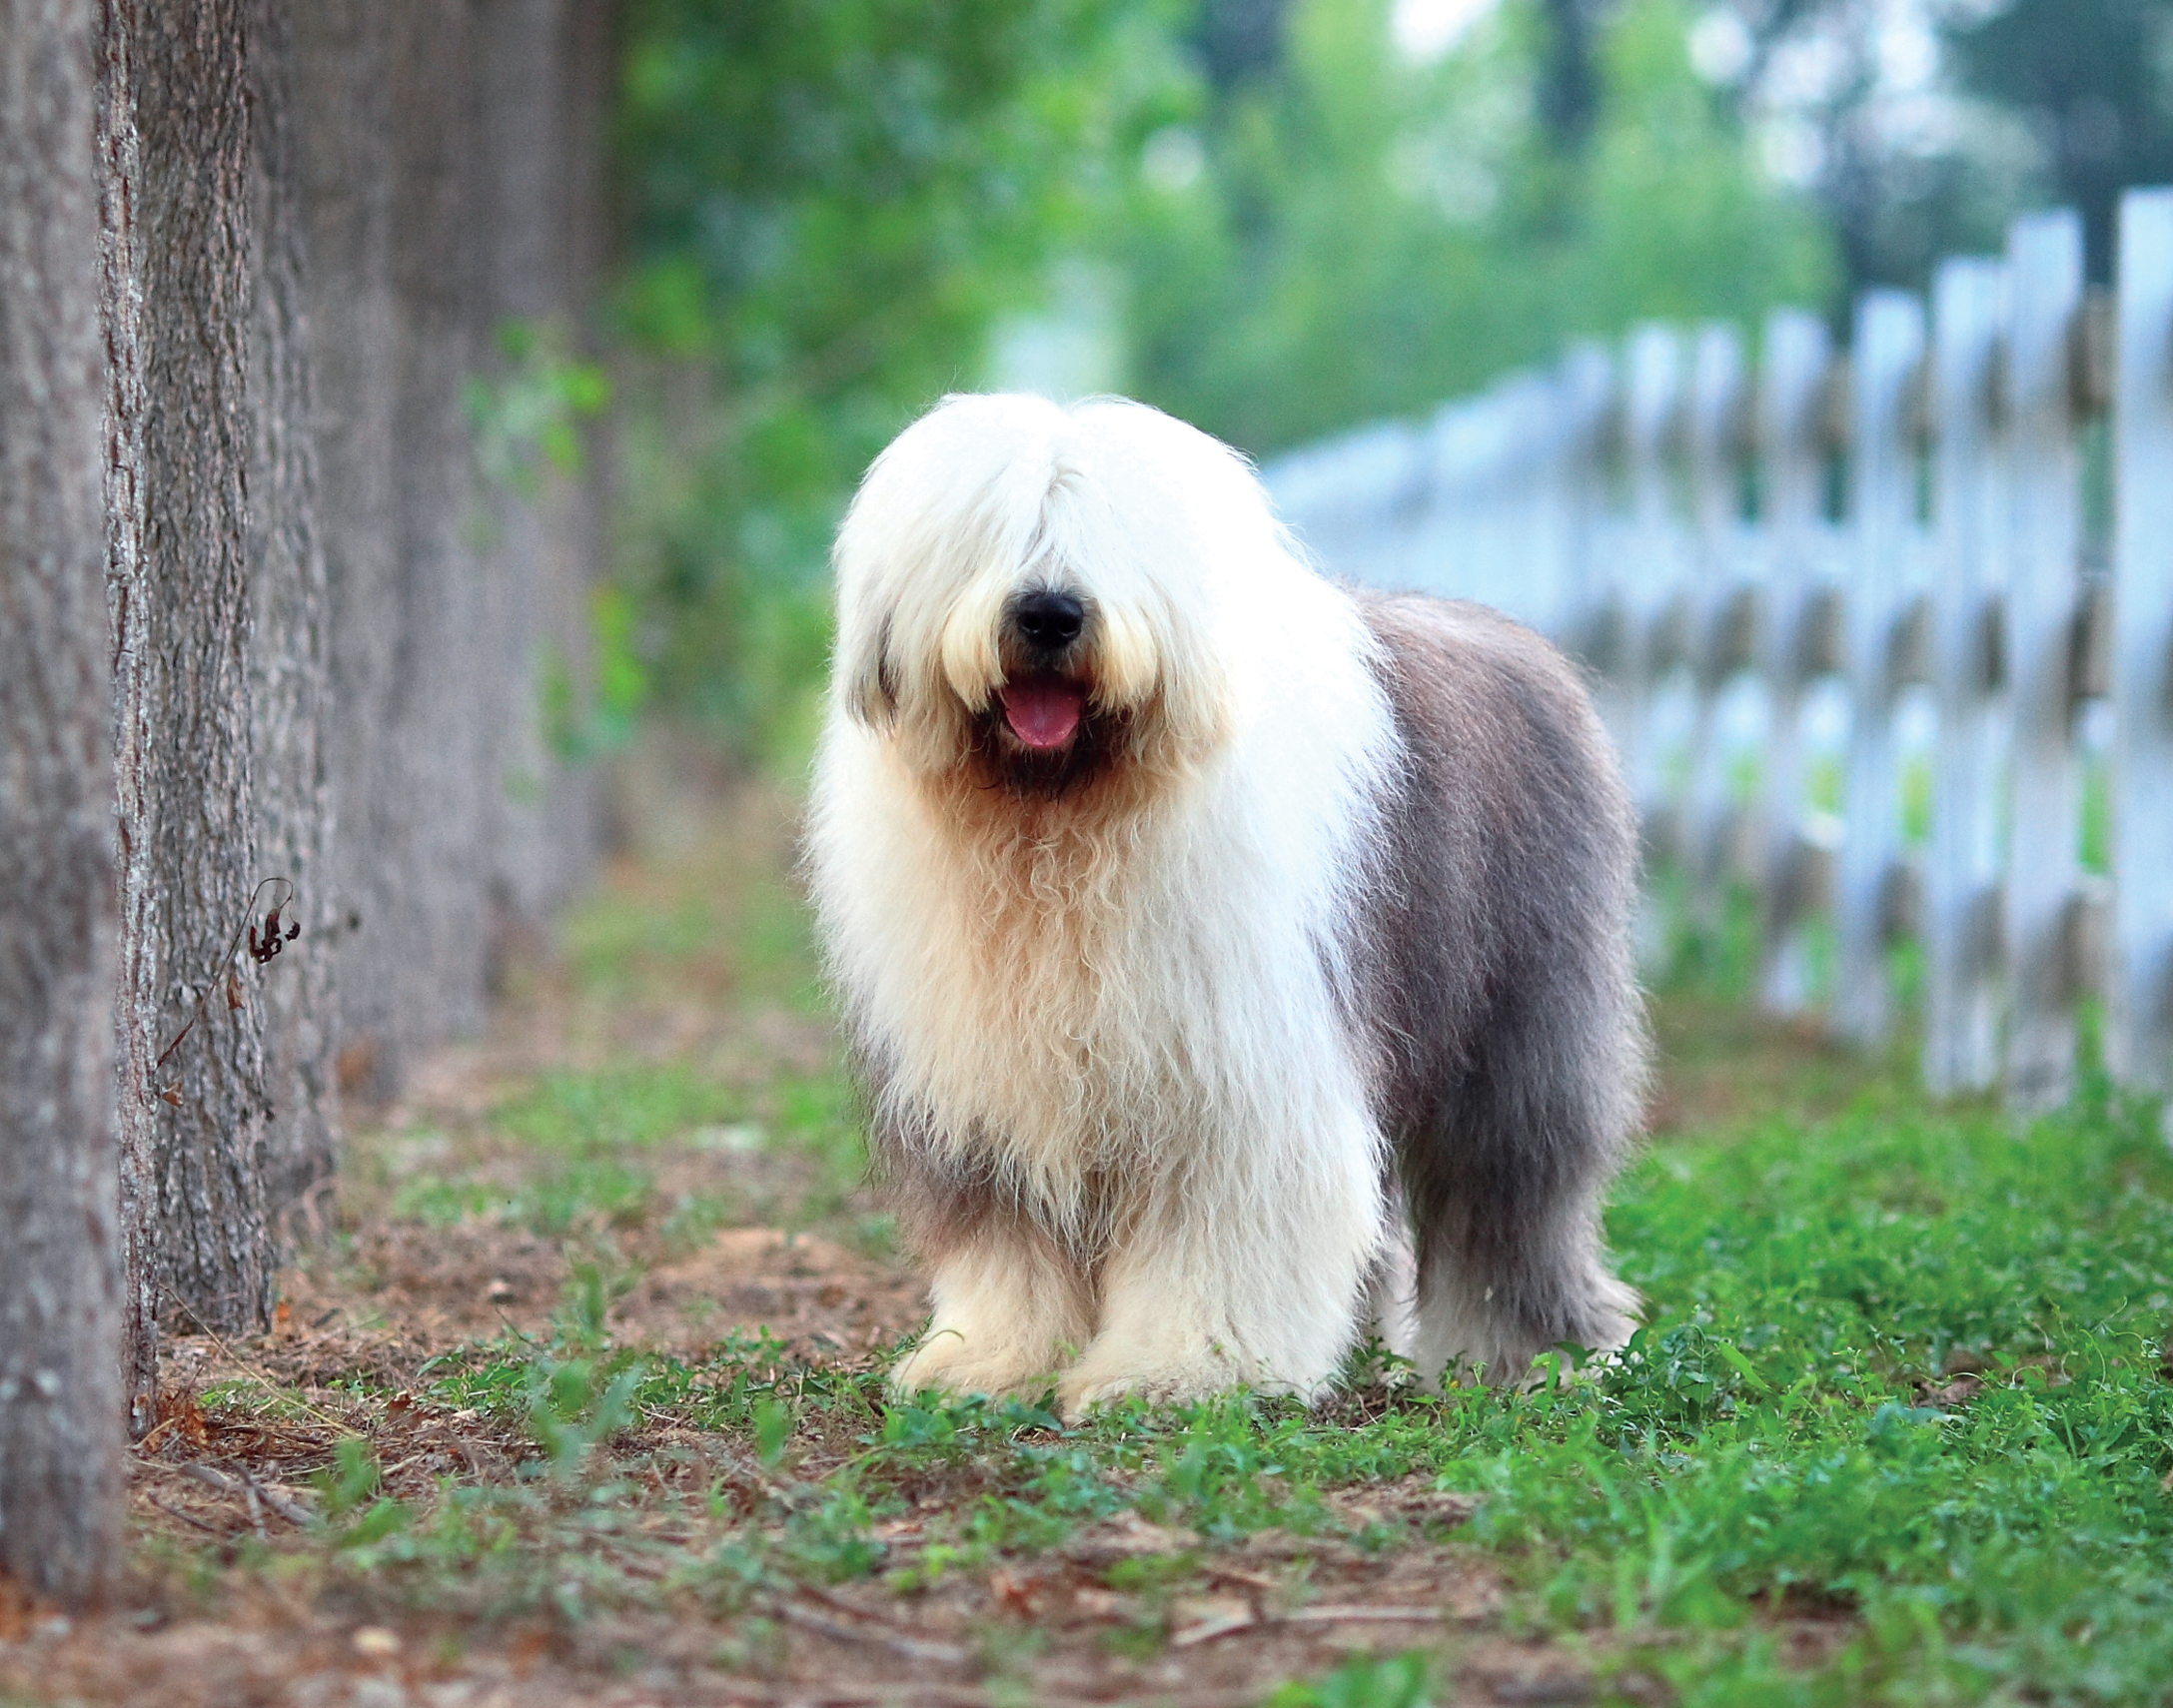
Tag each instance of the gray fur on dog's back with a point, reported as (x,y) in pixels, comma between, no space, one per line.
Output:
(1497,989)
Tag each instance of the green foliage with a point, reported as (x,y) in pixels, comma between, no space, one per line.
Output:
(2093,79)
(613,1108)
(525,416)
(1393,1681)
(830,201)
(619,683)
(1372,237)
(574,1407)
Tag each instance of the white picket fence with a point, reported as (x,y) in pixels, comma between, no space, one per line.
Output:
(1938,563)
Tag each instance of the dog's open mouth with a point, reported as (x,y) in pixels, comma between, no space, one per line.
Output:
(1043,711)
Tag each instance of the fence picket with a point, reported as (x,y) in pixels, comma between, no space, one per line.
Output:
(1961,894)
(1797,354)
(2044,477)
(1714,429)
(2140,1038)
(1889,350)
(1601,500)
(1652,404)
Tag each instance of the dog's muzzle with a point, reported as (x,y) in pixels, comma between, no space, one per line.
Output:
(1047,622)
(1041,700)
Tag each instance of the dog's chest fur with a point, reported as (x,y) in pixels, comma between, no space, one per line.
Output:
(1060,979)
(1071,991)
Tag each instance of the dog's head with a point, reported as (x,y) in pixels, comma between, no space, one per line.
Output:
(1037,596)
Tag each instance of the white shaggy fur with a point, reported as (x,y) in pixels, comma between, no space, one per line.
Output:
(1150,1001)
(1145,996)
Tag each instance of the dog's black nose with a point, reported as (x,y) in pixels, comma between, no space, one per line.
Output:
(1049,620)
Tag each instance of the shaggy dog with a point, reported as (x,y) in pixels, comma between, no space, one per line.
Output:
(1233,960)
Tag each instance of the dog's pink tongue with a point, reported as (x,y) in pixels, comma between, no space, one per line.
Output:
(1044,711)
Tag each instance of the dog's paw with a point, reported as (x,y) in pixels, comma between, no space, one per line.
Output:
(946,1361)
(1101,1380)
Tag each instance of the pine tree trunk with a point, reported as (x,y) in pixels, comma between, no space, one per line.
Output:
(193,1090)
(60,1395)
(442,702)
(342,51)
(291,683)
(135,1008)
(216,589)
(394,241)
(453,165)
(540,198)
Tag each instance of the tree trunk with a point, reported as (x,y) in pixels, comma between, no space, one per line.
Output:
(393,246)
(341,55)
(450,190)
(135,1008)
(193,1092)
(60,1396)
(538,195)
(215,589)
(292,691)
(442,704)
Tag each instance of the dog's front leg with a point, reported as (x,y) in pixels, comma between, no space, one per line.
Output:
(1210,1288)
(1010,1306)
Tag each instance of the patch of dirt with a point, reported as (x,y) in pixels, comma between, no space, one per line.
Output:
(234,1601)
(811,1293)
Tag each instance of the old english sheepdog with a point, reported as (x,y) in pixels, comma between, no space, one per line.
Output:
(1234,960)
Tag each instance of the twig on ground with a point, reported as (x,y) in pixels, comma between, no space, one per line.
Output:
(213,1477)
(246,1485)
(185,1517)
(1217,1625)
(1227,1624)
(1362,1616)
(909,1693)
(912,1648)
(256,1511)
(906,1693)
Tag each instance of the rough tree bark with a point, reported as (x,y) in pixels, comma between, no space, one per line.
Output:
(194,1111)
(60,1394)
(216,597)
(342,82)
(441,697)
(289,673)
(135,1008)
(452,164)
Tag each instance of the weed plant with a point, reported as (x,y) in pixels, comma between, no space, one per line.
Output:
(1905,1372)
(1898,1427)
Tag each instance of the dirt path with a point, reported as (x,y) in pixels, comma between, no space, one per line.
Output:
(650,1165)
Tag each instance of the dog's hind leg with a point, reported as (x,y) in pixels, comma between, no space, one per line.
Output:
(1010,1305)
(1391,1286)
(1505,1204)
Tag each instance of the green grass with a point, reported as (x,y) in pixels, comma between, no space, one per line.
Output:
(1904,1383)
(1782,1437)
(553,1202)
(615,1108)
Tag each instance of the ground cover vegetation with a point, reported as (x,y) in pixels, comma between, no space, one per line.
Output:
(584,1402)
(581,1398)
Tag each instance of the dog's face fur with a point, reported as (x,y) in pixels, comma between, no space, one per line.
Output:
(1004,628)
